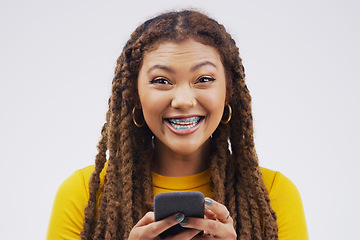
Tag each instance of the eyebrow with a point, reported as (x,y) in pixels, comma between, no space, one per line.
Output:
(197,66)
(162,67)
(194,68)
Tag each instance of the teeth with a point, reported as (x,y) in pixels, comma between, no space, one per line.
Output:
(184,124)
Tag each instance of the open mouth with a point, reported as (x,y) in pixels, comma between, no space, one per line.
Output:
(184,123)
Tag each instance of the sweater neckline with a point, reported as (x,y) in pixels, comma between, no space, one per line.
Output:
(181,183)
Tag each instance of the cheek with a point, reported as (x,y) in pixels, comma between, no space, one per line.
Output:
(214,105)
(152,107)
(219,106)
(215,99)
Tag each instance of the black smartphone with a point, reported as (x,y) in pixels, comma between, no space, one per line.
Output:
(191,204)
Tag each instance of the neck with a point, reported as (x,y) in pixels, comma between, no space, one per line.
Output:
(169,163)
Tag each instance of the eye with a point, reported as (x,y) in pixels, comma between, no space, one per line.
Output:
(160,80)
(205,79)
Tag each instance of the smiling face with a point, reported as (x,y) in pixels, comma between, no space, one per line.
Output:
(182,90)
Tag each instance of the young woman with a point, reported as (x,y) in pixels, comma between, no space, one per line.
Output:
(179,119)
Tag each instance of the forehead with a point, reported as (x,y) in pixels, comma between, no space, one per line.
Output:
(181,52)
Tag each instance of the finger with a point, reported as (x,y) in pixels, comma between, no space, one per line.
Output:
(207,225)
(154,229)
(147,219)
(203,237)
(209,214)
(221,212)
(184,235)
(215,228)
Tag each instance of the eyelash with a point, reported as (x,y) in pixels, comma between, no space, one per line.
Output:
(208,79)
(160,80)
(166,81)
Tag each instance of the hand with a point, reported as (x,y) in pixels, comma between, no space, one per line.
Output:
(147,228)
(217,223)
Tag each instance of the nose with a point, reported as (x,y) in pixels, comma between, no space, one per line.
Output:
(183,98)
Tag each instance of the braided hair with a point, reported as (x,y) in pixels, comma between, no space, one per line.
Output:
(127,191)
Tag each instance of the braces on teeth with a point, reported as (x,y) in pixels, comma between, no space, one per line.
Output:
(184,124)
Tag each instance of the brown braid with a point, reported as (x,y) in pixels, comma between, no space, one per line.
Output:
(236,177)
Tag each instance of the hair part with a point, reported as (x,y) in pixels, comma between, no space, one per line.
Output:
(127,193)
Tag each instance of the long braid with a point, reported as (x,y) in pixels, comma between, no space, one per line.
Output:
(146,180)
(140,166)
(242,180)
(218,162)
(126,162)
(112,194)
(94,184)
(230,191)
(107,195)
(245,168)
(127,191)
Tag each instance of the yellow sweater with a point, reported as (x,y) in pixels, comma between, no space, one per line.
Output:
(66,220)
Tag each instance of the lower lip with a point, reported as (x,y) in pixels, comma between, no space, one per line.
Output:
(183,131)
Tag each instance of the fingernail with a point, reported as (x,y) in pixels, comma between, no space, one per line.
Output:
(184,222)
(208,201)
(180,217)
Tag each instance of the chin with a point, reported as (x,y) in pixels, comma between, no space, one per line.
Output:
(187,148)
(185,151)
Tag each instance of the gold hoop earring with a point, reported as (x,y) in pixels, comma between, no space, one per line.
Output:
(134,120)
(229,117)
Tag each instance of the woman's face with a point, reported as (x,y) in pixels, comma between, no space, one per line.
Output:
(182,90)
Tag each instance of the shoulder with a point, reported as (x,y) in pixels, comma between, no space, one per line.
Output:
(275,181)
(66,220)
(280,188)
(76,185)
(78,182)
(286,201)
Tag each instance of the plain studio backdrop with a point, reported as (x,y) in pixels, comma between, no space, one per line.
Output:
(57,61)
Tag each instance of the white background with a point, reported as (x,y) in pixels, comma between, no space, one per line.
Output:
(57,60)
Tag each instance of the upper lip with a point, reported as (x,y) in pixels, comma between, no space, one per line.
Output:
(184,116)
